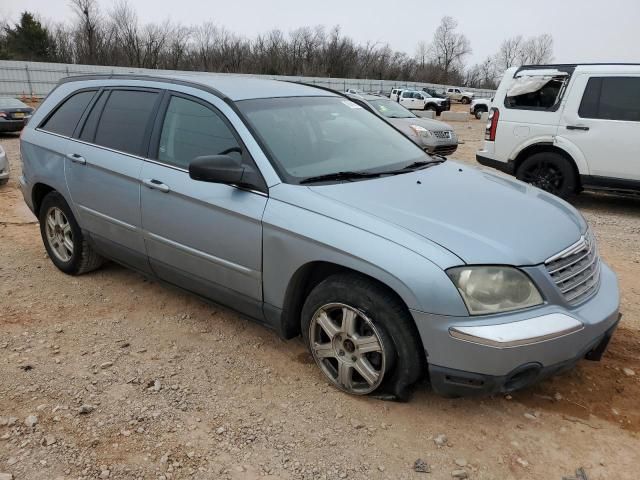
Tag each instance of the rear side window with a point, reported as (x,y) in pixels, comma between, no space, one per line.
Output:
(536,93)
(611,98)
(124,121)
(64,119)
(191,130)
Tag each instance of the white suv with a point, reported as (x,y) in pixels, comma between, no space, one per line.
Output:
(567,127)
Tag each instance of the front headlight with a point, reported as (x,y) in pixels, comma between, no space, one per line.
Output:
(494,289)
(420,131)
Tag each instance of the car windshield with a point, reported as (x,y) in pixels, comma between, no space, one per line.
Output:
(313,136)
(391,109)
(426,94)
(11,103)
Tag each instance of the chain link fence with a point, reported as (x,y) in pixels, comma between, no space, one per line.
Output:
(36,79)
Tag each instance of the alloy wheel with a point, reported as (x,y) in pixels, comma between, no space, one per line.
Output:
(59,234)
(347,347)
(545,176)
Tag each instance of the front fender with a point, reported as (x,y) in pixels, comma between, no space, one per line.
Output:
(294,237)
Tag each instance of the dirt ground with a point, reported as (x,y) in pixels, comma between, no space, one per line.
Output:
(126,379)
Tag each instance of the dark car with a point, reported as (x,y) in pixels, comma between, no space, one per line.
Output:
(13,114)
(445,105)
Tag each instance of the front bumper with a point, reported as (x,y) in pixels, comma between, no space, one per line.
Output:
(443,107)
(454,383)
(459,366)
(442,149)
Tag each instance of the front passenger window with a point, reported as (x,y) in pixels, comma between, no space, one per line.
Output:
(192,130)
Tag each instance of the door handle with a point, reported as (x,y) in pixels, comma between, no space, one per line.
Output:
(577,127)
(154,184)
(75,158)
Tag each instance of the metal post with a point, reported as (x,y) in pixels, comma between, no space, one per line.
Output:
(26,69)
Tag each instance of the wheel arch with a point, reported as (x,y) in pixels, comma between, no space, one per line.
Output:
(305,279)
(542,147)
(38,192)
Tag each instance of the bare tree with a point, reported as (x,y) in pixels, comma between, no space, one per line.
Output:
(509,53)
(449,48)
(422,51)
(89,19)
(519,51)
(537,50)
(118,38)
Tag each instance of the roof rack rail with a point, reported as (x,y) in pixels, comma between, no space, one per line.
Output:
(566,65)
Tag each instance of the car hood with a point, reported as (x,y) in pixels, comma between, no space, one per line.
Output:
(481,217)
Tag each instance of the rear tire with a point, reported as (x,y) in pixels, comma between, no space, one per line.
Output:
(63,239)
(465,100)
(384,344)
(550,172)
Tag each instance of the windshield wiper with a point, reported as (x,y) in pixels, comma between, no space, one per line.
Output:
(422,164)
(338,176)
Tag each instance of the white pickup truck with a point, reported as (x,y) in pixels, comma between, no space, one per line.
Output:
(459,95)
(479,106)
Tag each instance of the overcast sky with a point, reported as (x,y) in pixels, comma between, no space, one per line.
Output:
(583,30)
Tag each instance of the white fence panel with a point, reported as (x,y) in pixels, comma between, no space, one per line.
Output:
(37,79)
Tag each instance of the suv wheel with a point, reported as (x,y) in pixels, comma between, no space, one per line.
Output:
(549,171)
(431,106)
(362,337)
(465,100)
(66,246)
(479,112)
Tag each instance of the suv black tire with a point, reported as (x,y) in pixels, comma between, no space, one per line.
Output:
(465,100)
(402,349)
(83,258)
(478,113)
(549,171)
(431,106)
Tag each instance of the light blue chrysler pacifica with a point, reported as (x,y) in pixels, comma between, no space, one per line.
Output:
(300,209)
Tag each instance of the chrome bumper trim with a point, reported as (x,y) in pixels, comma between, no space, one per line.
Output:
(517,334)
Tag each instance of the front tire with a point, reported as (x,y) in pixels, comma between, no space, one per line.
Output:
(478,114)
(549,171)
(465,100)
(63,239)
(431,107)
(362,337)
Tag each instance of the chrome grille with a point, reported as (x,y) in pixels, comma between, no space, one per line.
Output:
(576,270)
(441,133)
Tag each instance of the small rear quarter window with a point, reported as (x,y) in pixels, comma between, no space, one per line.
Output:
(66,116)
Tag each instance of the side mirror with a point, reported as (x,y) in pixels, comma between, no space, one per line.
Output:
(217,169)
(228,170)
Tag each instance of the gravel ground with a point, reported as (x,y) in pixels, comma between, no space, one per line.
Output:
(111,375)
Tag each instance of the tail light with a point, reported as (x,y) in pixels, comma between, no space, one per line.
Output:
(492,125)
